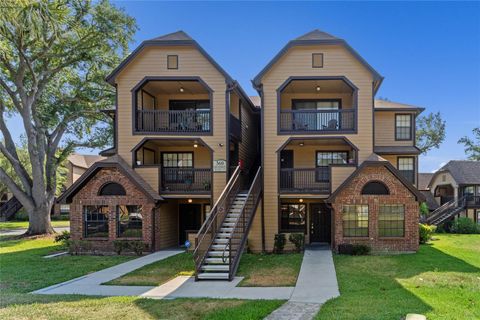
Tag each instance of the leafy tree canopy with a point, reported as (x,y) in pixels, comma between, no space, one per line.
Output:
(430,132)
(472,145)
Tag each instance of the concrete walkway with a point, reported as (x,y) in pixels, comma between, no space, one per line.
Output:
(17,232)
(316,283)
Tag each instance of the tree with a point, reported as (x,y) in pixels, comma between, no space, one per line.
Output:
(54,56)
(430,132)
(472,146)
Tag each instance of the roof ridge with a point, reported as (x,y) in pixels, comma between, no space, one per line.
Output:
(174,36)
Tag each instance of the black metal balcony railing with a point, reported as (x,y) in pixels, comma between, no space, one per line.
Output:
(186,180)
(472,201)
(315,180)
(173,121)
(317,120)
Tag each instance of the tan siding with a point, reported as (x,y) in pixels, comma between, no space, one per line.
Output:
(393,159)
(152,62)
(168,224)
(443,179)
(297,62)
(385,130)
(150,175)
(339,175)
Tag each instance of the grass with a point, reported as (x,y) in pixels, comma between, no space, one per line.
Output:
(11,225)
(259,270)
(158,272)
(441,281)
(23,269)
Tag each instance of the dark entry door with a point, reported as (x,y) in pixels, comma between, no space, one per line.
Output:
(286,175)
(320,223)
(190,217)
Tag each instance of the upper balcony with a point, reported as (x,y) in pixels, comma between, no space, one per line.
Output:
(317,106)
(166,107)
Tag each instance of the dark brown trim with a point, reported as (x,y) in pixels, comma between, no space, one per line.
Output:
(313,59)
(406,109)
(411,126)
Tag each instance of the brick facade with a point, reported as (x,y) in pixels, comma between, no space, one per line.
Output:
(88,195)
(399,194)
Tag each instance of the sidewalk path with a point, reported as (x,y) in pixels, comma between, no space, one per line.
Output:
(17,232)
(316,283)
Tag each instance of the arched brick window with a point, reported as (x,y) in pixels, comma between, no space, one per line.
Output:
(112,189)
(375,188)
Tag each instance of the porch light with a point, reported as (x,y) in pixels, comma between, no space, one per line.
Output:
(301,144)
(181,89)
(195,145)
(301,200)
(190,200)
(317,88)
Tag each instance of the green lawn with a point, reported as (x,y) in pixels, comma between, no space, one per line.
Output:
(259,270)
(441,281)
(9,225)
(22,270)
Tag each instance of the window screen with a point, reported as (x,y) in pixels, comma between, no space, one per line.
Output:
(391,220)
(317,60)
(129,221)
(95,219)
(172,62)
(403,127)
(355,220)
(406,165)
(293,217)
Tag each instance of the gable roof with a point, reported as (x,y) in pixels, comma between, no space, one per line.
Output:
(424,180)
(317,37)
(83,160)
(464,172)
(387,105)
(374,160)
(110,162)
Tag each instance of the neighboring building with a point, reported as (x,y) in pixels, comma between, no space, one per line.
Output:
(323,135)
(456,185)
(422,186)
(77,164)
(338,165)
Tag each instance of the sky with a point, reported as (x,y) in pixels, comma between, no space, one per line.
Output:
(428,52)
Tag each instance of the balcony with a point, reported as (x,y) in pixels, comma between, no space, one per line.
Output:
(305,180)
(173,121)
(327,121)
(472,201)
(186,180)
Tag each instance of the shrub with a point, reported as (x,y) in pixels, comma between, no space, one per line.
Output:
(424,209)
(464,225)
(120,245)
(77,246)
(279,243)
(360,250)
(62,217)
(137,246)
(425,232)
(21,215)
(345,249)
(63,237)
(298,239)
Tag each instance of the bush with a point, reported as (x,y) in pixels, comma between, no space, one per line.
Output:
(465,226)
(137,246)
(63,237)
(345,249)
(62,217)
(279,243)
(120,245)
(21,215)
(360,250)
(425,232)
(77,246)
(298,239)
(424,209)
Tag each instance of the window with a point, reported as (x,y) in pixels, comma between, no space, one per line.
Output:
(64,208)
(391,220)
(406,165)
(112,189)
(324,159)
(403,127)
(95,220)
(197,119)
(355,220)
(293,217)
(129,221)
(172,62)
(177,167)
(328,119)
(375,188)
(317,60)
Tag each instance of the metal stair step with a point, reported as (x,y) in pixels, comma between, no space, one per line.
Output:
(214,267)
(226,230)
(219,253)
(213,276)
(217,260)
(223,235)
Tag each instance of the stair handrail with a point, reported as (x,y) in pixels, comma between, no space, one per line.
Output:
(253,196)
(10,207)
(458,202)
(211,224)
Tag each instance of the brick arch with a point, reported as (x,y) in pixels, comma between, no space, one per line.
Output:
(390,181)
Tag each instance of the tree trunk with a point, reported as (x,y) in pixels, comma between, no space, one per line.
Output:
(39,221)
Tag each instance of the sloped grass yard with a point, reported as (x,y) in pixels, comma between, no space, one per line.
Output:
(441,281)
(259,270)
(23,269)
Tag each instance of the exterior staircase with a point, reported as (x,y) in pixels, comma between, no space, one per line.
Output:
(9,208)
(221,240)
(446,211)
